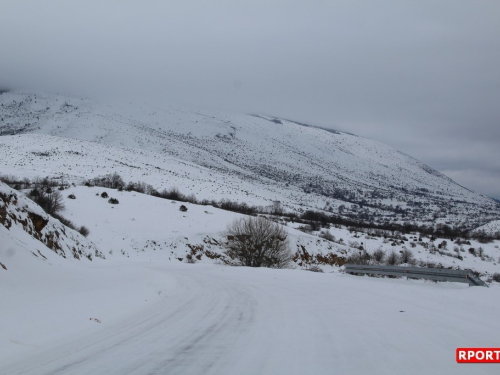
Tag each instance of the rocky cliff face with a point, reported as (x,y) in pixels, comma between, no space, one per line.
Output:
(17,211)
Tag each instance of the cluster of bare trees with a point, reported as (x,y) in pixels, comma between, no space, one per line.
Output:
(49,199)
(379,256)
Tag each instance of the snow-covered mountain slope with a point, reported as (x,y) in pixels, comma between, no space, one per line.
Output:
(492,228)
(143,227)
(217,154)
(146,228)
(24,222)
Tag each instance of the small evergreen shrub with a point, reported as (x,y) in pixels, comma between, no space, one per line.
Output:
(104,195)
(113,201)
(183,208)
(71,196)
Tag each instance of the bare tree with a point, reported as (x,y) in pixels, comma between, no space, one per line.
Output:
(50,200)
(258,242)
(55,202)
(115,181)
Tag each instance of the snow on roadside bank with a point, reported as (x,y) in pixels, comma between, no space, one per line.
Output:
(144,227)
(175,318)
(24,219)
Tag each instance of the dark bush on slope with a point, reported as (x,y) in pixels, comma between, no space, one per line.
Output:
(257,242)
(84,231)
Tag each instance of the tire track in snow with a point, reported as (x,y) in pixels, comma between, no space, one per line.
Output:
(175,330)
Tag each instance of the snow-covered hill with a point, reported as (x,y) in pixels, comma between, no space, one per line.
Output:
(214,154)
(492,228)
(147,228)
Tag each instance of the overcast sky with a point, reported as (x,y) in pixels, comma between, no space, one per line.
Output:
(421,76)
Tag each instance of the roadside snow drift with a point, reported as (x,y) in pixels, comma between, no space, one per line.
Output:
(176,318)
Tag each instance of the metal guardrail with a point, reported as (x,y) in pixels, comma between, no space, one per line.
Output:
(436,274)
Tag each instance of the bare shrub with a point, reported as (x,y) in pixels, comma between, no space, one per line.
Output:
(113,181)
(327,236)
(392,258)
(84,231)
(315,269)
(496,277)
(359,258)
(65,221)
(257,242)
(173,194)
(406,256)
(354,244)
(379,255)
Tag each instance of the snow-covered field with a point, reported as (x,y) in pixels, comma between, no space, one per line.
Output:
(177,318)
(143,227)
(492,228)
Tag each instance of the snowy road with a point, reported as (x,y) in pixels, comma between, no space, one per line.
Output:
(223,320)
